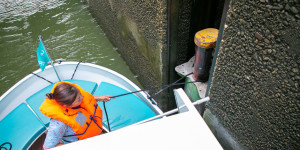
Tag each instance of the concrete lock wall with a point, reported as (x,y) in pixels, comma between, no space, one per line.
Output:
(255,96)
(139,30)
(153,36)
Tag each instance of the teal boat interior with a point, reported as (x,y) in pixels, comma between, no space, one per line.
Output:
(22,126)
(119,110)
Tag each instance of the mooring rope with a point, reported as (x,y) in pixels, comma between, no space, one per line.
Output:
(172,84)
(164,87)
(153,88)
(75,69)
(42,77)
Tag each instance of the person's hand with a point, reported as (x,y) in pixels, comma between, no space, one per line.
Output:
(103,98)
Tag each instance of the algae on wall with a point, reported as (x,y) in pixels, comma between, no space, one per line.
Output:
(152,54)
(139,30)
(154,36)
(255,85)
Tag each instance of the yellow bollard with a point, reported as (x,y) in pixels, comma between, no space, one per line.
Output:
(205,41)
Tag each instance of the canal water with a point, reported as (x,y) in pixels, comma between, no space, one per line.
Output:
(68,30)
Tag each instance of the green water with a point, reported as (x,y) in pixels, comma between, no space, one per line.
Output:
(68,30)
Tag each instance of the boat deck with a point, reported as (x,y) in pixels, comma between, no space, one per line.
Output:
(26,123)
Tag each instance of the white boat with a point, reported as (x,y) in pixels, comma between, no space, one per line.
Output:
(21,122)
(136,121)
(183,131)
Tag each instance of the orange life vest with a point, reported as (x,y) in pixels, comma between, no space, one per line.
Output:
(86,120)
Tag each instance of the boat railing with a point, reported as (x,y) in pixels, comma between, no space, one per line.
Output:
(173,111)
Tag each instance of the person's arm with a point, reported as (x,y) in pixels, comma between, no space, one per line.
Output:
(103,98)
(55,134)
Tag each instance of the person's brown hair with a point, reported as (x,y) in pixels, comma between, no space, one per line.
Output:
(64,94)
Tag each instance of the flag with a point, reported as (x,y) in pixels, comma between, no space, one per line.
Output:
(42,56)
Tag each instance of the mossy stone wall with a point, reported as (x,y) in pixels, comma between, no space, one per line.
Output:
(139,30)
(255,91)
(153,37)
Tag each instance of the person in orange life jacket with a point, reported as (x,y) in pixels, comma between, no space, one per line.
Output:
(74,114)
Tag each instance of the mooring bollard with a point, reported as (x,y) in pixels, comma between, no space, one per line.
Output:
(205,41)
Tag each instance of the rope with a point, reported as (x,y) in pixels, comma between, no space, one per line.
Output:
(172,84)
(165,87)
(42,77)
(2,146)
(106,117)
(75,70)
(153,88)
(52,82)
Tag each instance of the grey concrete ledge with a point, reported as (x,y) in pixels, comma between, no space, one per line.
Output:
(227,141)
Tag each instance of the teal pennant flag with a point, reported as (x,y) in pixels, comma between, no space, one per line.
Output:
(42,56)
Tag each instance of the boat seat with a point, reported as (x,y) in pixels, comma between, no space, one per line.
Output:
(38,98)
(20,128)
(122,111)
(35,101)
(85,85)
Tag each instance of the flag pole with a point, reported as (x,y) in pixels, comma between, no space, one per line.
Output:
(40,38)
